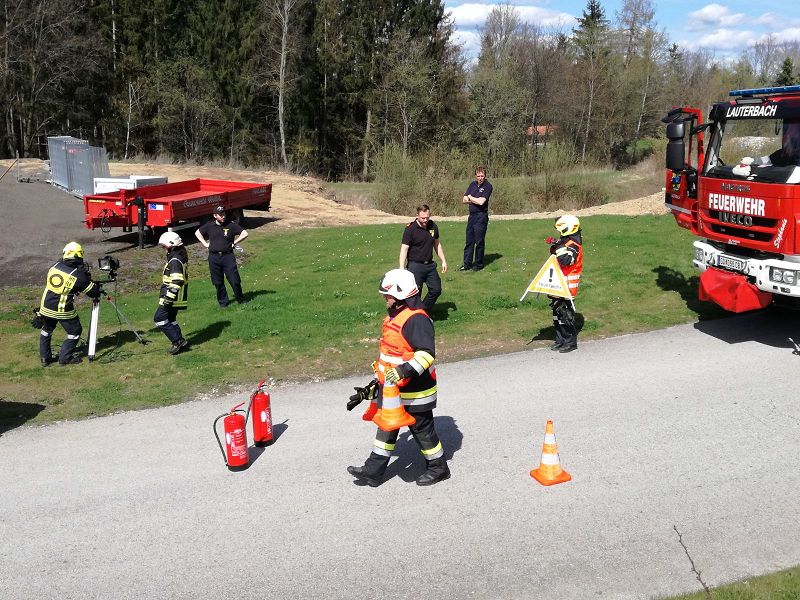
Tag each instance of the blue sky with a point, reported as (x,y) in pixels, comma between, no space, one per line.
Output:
(726,28)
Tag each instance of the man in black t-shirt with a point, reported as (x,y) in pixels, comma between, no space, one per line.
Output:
(220,237)
(420,239)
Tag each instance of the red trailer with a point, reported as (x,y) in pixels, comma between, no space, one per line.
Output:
(165,206)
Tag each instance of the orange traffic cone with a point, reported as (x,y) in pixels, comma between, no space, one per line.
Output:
(549,471)
(392,415)
(370,412)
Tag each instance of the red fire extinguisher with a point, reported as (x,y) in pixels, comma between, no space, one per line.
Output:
(236,455)
(262,415)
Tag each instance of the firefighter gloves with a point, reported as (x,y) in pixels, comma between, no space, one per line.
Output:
(392,376)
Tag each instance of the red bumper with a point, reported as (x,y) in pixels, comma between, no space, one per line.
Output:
(731,291)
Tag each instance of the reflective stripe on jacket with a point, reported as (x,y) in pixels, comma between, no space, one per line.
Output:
(418,390)
(175,281)
(573,272)
(64,282)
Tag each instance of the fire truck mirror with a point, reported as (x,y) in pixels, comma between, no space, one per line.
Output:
(676,153)
(675,131)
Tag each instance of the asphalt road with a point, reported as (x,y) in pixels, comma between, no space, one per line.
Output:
(695,427)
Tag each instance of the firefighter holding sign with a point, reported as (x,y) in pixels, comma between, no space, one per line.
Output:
(568,252)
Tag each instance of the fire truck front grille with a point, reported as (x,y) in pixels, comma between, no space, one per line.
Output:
(745,234)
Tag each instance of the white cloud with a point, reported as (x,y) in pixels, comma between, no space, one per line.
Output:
(727,39)
(713,15)
(469,41)
(471,15)
(791,34)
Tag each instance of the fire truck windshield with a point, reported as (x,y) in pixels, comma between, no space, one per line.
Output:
(756,149)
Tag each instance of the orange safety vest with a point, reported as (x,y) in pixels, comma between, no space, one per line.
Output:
(394,348)
(573,271)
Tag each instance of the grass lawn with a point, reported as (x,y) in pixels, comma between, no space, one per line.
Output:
(784,585)
(315,312)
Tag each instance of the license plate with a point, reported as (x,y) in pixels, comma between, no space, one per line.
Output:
(728,262)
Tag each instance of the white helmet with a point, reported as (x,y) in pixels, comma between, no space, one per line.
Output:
(399,283)
(170,239)
(567,225)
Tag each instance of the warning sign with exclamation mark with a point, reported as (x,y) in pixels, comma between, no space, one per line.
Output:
(549,280)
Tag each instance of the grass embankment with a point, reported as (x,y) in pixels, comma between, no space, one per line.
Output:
(784,585)
(566,190)
(314,312)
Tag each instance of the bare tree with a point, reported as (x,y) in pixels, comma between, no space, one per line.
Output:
(284,12)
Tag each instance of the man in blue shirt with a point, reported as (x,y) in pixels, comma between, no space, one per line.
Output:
(477,196)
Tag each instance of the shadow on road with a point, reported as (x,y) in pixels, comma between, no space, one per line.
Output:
(14,414)
(772,326)
(256,451)
(409,463)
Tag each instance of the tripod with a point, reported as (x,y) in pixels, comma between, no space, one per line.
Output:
(96,319)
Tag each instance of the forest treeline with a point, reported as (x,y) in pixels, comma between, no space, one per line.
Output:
(328,86)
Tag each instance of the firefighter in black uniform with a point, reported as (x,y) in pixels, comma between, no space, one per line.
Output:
(568,249)
(220,238)
(407,383)
(420,239)
(174,292)
(65,279)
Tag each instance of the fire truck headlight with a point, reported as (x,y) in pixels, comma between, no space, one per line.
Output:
(699,256)
(783,276)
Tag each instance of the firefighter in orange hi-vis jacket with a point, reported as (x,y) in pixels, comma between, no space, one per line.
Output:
(406,381)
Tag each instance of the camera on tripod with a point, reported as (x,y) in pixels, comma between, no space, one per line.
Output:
(109,265)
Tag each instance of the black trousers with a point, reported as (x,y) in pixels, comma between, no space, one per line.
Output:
(71,326)
(166,319)
(429,275)
(564,322)
(477,223)
(224,266)
(425,436)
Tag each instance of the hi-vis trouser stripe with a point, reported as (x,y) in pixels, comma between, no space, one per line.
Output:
(383,448)
(434,453)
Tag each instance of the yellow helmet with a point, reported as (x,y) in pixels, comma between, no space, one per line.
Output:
(567,225)
(72,250)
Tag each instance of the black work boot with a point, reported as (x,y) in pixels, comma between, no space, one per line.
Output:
(178,346)
(569,348)
(361,474)
(437,471)
(556,346)
(48,360)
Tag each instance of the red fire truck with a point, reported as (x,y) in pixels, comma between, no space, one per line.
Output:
(160,207)
(740,194)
